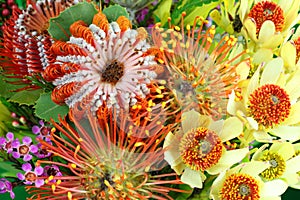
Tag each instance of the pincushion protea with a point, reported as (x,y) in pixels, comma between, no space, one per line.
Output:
(107,158)
(202,73)
(26,41)
(101,64)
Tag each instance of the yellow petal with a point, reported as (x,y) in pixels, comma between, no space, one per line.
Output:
(273,41)
(257,155)
(254,168)
(233,106)
(217,186)
(262,55)
(288,54)
(253,83)
(267,30)
(227,160)
(290,133)
(250,28)
(179,168)
(232,128)
(192,178)
(293,165)
(171,145)
(262,136)
(243,70)
(192,119)
(284,149)
(273,188)
(292,86)
(272,71)
(294,116)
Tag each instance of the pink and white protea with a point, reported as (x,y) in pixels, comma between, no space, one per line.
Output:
(108,66)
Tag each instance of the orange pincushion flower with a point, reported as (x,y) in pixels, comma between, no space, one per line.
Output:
(106,161)
(201,76)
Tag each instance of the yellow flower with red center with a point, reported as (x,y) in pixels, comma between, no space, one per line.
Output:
(243,182)
(266,23)
(198,147)
(284,163)
(269,103)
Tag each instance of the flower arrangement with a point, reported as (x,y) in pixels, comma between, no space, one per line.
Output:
(149,99)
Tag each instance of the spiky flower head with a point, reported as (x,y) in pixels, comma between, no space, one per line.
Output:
(26,41)
(107,158)
(102,64)
(201,73)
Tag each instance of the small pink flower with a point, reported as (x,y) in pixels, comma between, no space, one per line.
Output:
(31,176)
(23,150)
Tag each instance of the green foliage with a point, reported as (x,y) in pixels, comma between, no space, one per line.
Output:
(26,97)
(192,9)
(113,12)
(46,109)
(163,11)
(59,27)
(8,89)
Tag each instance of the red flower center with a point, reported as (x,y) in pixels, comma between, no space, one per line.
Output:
(240,186)
(269,105)
(267,10)
(200,148)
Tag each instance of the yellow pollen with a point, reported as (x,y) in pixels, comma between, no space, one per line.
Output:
(160,61)
(50,178)
(134,107)
(149,109)
(53,187)
(73,165)
(80,140)
(159,96)
(58,182)
(163,104)
(277,167)
(177,28)
(69,195)
(188,27)
(138,144)
(147,132)
(107,183)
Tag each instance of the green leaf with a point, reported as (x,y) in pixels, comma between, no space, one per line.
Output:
(60,26)
(7,89)
(7,169)
(46,109)
(163,11)
(26,97)
(189,6)
(114,12)
(21,3)
(19,191)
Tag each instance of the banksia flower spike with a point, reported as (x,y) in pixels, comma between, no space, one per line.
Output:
(26,41)
(202,74)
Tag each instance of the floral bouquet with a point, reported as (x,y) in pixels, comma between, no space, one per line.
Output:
(149,99)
